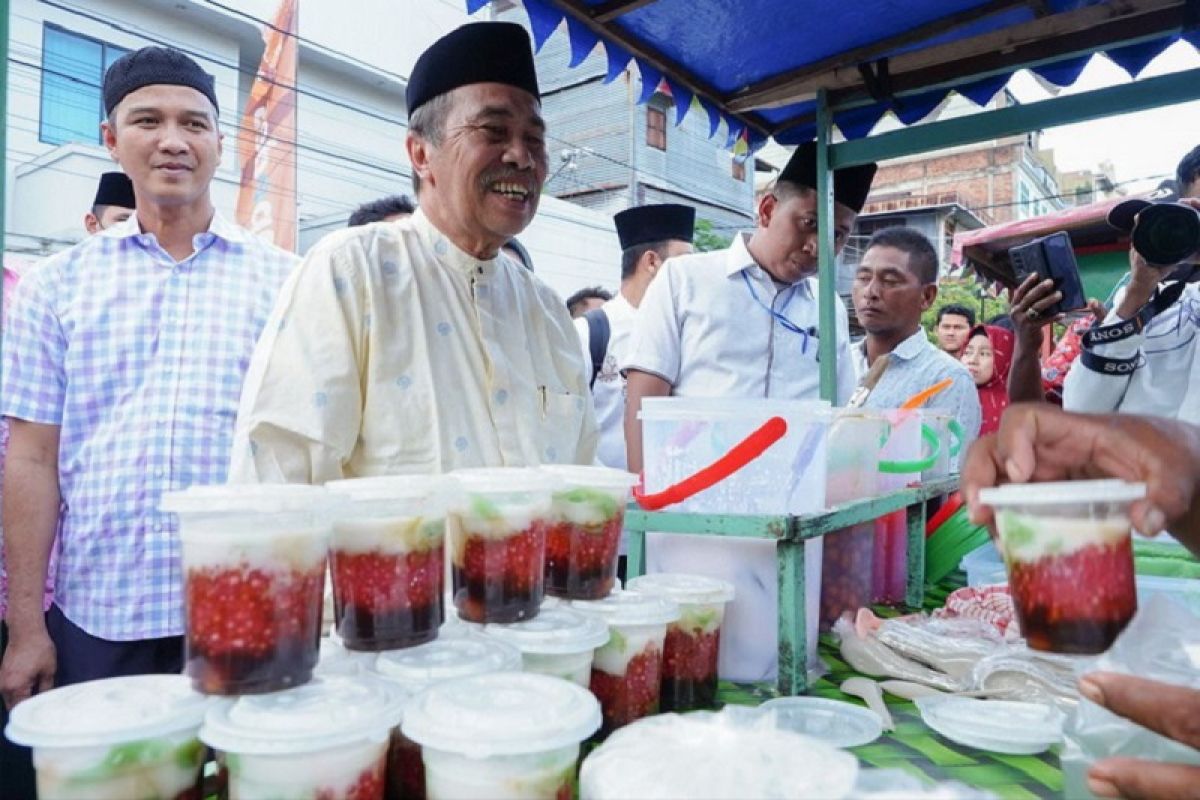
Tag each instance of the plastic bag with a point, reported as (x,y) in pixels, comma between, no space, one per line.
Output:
(1162,643)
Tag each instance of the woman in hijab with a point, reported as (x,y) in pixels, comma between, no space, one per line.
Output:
(988,356)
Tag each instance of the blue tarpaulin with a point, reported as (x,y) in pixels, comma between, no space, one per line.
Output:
(725,53)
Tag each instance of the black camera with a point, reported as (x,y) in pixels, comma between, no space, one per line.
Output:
(1166,234)
(1051,257)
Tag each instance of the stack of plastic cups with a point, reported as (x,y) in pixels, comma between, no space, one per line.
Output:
(584,538)
(692,648)
(328,738)
(254,561)
(627,671)
(558,642)
(387,560)
(505,736)
(115,738)
(464,654)
(497,537)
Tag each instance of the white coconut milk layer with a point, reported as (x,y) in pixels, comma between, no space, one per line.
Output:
(626,643)
(267,777)
(533,776)
(1026,537)
(296,550)
(394,535)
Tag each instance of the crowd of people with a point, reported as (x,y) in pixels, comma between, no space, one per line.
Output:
(173,348)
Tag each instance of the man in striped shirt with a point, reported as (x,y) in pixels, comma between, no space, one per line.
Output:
(123,362)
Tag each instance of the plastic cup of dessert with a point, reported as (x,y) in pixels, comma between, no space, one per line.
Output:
(627,671)
(502,735)
(387,558)
(558,642)
(254,561)
(693,644)
(1068,550)
(497,538)
(114,738)
(582,544)
(327,738)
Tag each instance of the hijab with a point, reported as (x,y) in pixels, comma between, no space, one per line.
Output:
(993,395)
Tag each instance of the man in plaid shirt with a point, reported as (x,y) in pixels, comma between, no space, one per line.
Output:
(123,363)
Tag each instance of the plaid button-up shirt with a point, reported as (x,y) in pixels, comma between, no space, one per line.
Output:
(140,360)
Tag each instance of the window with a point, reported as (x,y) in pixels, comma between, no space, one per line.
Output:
(656,128)
(739,170)
(72,72)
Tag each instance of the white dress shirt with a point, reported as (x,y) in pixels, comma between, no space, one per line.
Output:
(1166,384)
(608,392)
(701,328)
(393,351)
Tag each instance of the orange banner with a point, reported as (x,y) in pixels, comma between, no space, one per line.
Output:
(267,137)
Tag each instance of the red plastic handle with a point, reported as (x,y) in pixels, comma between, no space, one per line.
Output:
(739,456)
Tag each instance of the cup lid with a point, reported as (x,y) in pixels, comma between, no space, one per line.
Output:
(328,711)
(502,713)
(1002,726)
(683,588)
(630,608)
(468,653)
(108,711)
(553,631)
(394,487)
(591,477)
(258,498)
(501,480)
(1040,494)
(834,722)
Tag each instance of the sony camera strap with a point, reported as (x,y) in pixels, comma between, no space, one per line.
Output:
(1163,299)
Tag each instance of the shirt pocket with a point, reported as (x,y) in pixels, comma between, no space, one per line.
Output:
(560,426)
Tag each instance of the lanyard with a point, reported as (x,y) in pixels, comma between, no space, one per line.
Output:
(778,315)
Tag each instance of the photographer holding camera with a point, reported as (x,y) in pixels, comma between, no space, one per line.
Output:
(1144,357)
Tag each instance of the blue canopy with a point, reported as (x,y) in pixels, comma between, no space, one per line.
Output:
(756,65)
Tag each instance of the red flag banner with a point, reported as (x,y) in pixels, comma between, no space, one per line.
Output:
(267,137)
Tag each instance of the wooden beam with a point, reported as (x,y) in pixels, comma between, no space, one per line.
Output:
(668,67)
(1049,38)
(747,98)
(607,12)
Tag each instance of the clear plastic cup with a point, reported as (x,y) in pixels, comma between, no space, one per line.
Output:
(584,538)
(627,671)
(692,648)
(497,531)
(501,736)
(558,642)
(327,738)
(1069,554)
(463,654)
(254,561)
(387,558)
(115,738)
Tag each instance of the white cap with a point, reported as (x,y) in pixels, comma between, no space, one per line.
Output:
(553,631)
(328,711)
(252,498)
(506,713)
(1062,492)
(431,492)
(504,480)
(630,608)
(108,711)
(681,588)
(592,477)
(469,653)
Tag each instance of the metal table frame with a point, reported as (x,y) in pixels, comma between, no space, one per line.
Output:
(790,533)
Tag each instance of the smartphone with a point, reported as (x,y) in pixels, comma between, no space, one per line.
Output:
(1052,257)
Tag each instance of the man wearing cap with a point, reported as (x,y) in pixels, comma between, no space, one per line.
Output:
(1143,358)
(414,347)
(649,235)
(113,203)
(742,322)
(123,358)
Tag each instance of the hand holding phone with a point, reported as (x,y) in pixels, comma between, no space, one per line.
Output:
(1051,258)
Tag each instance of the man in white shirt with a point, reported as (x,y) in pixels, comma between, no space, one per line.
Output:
(895,282)
(649,235)
(414,346)
(742,322)
(1144,357)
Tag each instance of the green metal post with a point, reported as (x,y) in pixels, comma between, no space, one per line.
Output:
(635,559)
(914,595)
(792,678)
(827,267)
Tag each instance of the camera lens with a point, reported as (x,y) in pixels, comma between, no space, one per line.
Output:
(1167,234)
